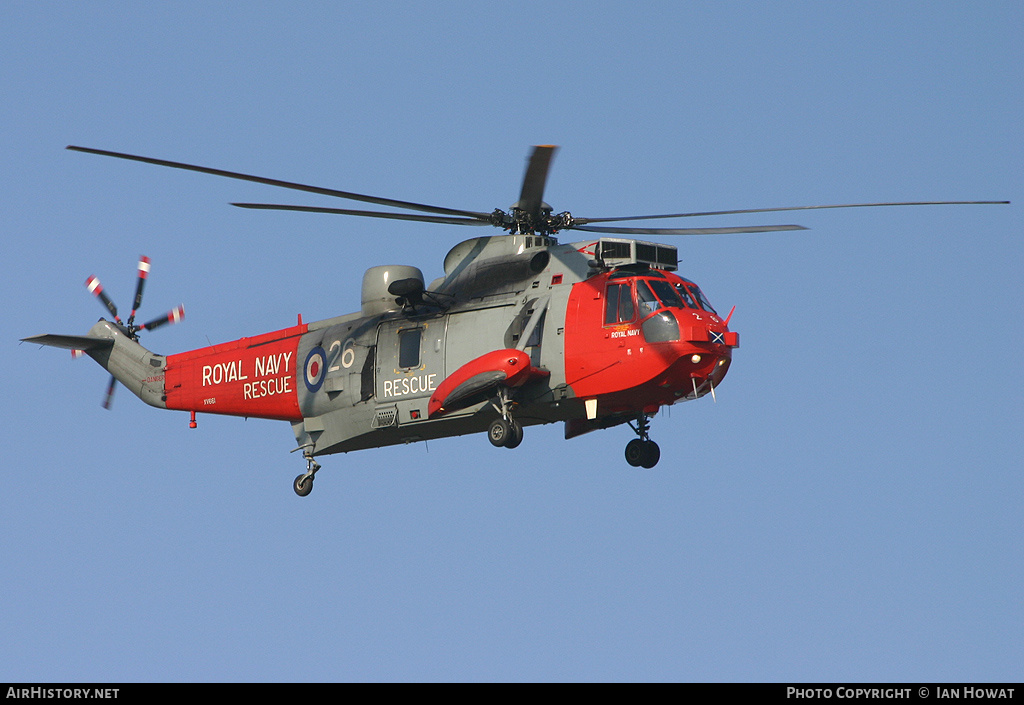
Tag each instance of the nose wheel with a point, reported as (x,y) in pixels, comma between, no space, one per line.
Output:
(642,452)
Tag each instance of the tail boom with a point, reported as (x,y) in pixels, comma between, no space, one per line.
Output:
(138,369)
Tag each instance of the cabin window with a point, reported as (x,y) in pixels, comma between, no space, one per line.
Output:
(409,347)
(366,374)
(618,306)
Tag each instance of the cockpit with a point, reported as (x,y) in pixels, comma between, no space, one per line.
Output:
(653,292)
(637,331)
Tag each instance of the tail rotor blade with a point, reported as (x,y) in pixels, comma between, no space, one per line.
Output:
(108,398)
(96,289)
(143,274)
(173,316)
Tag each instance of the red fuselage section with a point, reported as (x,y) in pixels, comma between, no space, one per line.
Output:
(254,377)
(639,340)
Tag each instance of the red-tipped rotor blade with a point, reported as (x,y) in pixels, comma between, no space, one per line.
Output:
(173,316)
(108,398)
(96,289)
(143,273)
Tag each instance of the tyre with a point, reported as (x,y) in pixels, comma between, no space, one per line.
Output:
(651,455)
(303,485)
(515,437)
(635,452)
(499,433)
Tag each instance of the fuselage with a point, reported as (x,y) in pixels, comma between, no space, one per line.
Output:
(606,343)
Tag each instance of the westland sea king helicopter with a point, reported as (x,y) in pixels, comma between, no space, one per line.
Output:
(521,330)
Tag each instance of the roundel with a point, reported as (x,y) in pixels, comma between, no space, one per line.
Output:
(316,367)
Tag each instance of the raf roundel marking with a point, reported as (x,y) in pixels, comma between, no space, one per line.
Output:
(316,368)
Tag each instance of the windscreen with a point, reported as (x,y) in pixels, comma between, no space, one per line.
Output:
(667,294)
(691,288)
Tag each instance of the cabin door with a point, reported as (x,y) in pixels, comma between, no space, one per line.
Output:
(410,359)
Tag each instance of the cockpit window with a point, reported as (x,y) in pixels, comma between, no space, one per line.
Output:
(687,297)
(651,295)
(648,301)
(703,300)
(666,293)
(618,307)
(697,293)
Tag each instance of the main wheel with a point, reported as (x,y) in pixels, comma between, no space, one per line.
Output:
(516,437)
(651,455)
(499,433)
(635,452)
(303,484)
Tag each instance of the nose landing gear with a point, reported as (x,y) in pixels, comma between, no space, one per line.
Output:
(642,451)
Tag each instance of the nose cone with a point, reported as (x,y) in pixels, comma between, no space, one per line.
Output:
(696,373)
(704,353)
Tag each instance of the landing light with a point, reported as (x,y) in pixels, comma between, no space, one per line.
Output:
(695,359)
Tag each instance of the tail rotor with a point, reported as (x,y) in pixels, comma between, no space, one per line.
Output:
(129,327)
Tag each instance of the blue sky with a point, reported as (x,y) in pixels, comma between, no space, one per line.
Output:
(849,509)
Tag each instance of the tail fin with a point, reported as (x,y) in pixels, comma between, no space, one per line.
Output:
(138,369)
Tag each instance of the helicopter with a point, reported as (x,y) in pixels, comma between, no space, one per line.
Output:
(520,330)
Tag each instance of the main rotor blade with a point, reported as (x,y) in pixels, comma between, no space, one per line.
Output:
(584,221)
(690,231)
(391,203)
(532,194)
(366,214)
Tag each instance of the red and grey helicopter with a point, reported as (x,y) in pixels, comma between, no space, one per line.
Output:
(521,330)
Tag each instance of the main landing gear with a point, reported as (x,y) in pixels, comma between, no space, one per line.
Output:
(504,432)
(303,484)
(642,451)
